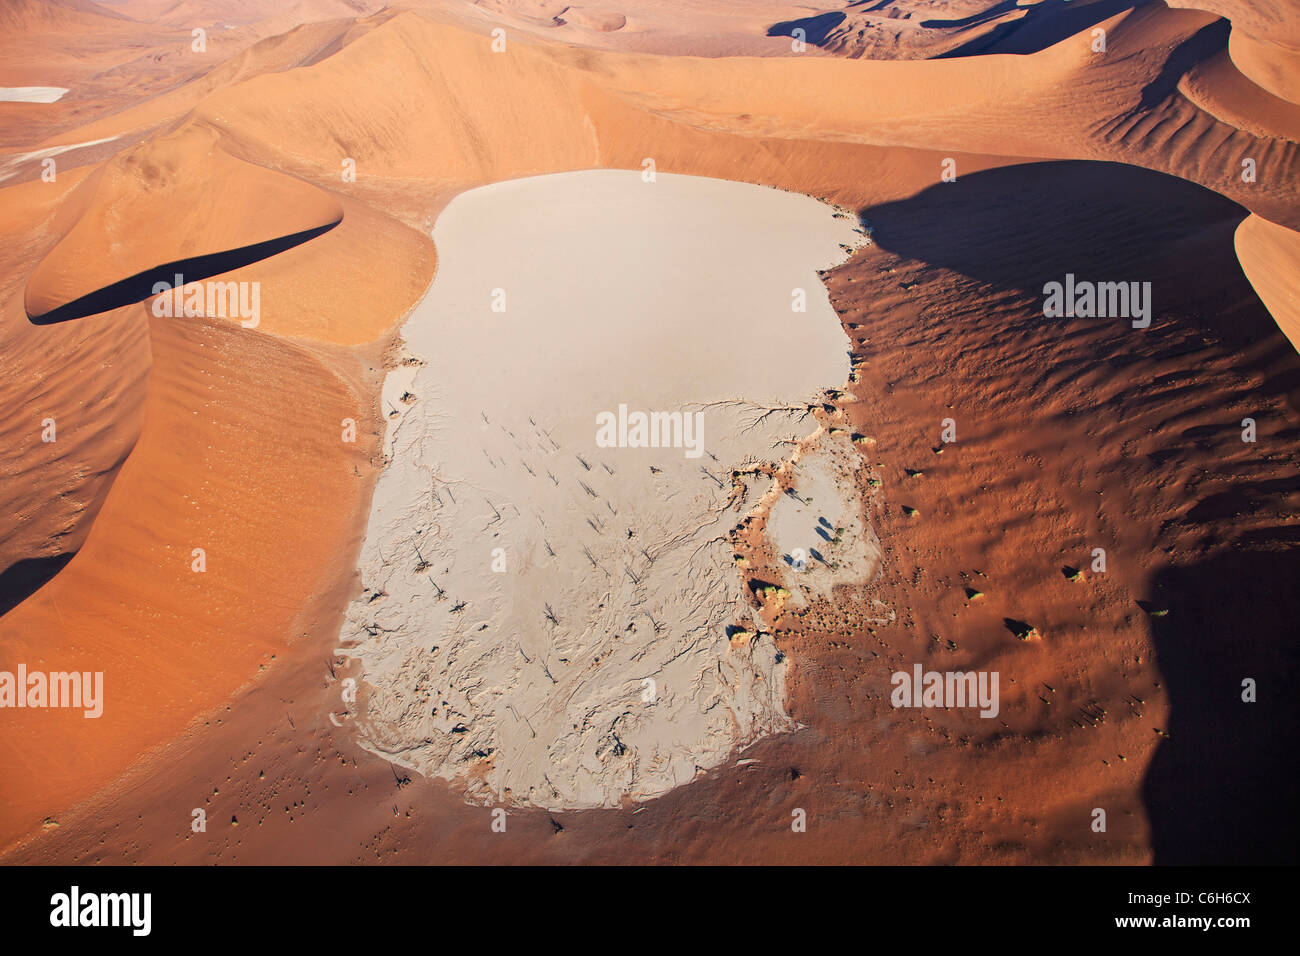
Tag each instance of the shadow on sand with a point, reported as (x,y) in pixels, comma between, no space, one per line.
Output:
(1042,26)
(1220,787)
(24,578)
(139,287)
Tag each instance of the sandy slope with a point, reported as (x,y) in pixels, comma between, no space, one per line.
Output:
(53,490)
(178,198)
(1003,511)
(1270,257)
(281,52)
(423,128)
(1219,88)
(1265,40)
(237,425)
(1115,106)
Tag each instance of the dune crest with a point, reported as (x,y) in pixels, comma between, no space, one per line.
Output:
(174,199)
(1270,257)
(1265,42)
(174,635)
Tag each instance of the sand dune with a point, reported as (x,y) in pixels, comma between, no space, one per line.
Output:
(236,424)
(49,16)
(710,28)
(1089,104)
(915,29)
(898,30)
(176,199)
(54,489)
(1219,88)
(295,48)
(264,14)
(176,434)
(12,165)
(107,71)
(976,101)
(1265,40)
(1270,257)
(1001,512)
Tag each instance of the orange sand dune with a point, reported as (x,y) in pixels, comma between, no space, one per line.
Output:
(901,29)
(266,15)
(1219,88)
(241,452)
(376,270)
(234,436)
(49,42)
(281,52)
(381,101)
(52,16)
(1265,42)
(918,29)
(1270,257)
(171,199)
(107,64)
(1084,104)
(706,28)
(88,377)
(214,439)
(942,319)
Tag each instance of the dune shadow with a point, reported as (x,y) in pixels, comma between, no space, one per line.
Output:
(973,20)
(24,578)
(1020,226)
(1197,48)
(1219,786)
(139,287)
(1043,26)
(815,28)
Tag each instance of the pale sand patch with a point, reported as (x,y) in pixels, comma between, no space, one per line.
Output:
(11,163)
(531,684)
(819,526)
(31,94)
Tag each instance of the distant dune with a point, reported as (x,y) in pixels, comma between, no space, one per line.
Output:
(19,17)
(1265,40)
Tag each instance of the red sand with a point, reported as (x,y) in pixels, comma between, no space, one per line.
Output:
(195,433)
